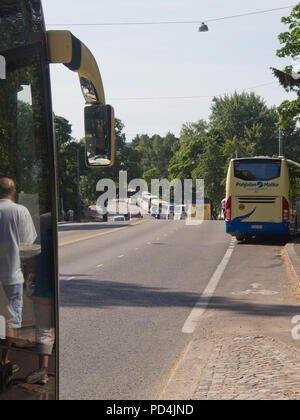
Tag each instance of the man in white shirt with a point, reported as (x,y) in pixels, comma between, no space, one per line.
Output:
(16,229)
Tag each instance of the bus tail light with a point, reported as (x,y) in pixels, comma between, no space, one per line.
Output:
(228,210)
(285,210)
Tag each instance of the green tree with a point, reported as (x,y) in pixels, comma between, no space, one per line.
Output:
(210,168)
(67,165)
(289,110)
(247,118)
(145,150)
(187,150)
(149,175)
(162,153)
(240,125)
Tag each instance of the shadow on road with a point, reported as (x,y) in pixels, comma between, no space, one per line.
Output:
(107,294)
(266,240)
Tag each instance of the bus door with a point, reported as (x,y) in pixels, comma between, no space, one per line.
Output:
(29,298)
(28,277)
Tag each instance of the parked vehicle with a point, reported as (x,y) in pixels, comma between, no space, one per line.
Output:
(167,210)
(136,215)
(119,218)
(162,209)
(200,209)
(261,197)
(147,202)
(156,206)
(140,200)
(180,212)
(96,214)
(222,209)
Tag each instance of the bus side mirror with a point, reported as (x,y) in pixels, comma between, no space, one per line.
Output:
(99,135)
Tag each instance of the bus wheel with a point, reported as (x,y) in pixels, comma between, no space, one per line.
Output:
(240,237)
(248,238)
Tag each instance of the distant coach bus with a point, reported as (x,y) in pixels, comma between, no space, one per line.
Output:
(200,209)
(261,197)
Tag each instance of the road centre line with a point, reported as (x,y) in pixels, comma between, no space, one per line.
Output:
(74,241)
(191,322)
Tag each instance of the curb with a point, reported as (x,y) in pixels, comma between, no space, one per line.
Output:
(184,379)
(292,260)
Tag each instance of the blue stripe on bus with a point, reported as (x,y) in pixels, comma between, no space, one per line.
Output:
(257,227)
(245,216)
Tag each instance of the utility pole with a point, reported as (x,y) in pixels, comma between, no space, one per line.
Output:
(78,186)
(280,142)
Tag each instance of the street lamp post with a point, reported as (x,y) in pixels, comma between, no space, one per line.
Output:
(280,142)
(78,185)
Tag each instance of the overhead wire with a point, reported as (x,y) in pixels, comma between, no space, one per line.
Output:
(155,98)
(175,23)
(171,22)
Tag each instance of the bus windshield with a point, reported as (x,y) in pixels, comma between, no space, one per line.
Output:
(257,169)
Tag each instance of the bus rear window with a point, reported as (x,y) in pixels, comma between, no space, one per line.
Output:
(257,169)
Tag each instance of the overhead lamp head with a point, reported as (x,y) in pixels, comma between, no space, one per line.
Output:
(203,28)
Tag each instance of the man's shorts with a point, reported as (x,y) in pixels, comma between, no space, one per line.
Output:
(14,295)
(45,325)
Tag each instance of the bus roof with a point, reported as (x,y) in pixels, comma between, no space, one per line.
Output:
(294,166)
(258,157)
(290,163)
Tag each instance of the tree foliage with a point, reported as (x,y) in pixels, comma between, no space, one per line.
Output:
(240,125)
(288,78)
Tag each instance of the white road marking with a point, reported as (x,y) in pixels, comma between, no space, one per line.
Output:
(121,256)
(256,289)
(100,265)
(192,321)
(70,278)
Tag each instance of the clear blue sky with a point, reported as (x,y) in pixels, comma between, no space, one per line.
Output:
(146,61)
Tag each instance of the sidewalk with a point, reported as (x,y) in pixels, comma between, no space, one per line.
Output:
(250,363)
(292,251)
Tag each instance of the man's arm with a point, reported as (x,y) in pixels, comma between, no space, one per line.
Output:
(27,232)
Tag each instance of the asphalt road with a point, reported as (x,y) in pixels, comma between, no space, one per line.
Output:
(126,294)
(135,297)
